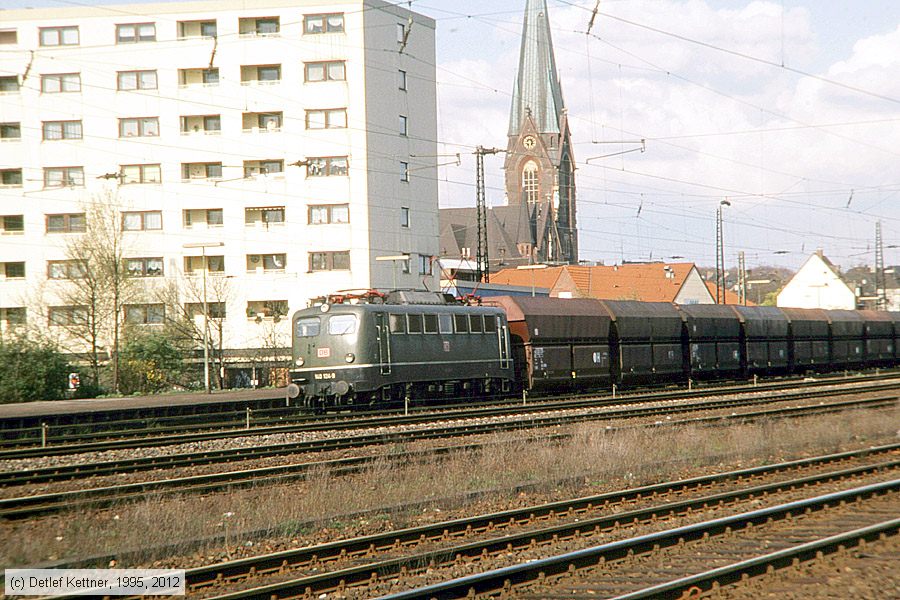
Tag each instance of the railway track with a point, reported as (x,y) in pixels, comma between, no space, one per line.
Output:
(92,426)
(37,505)
(368,562)
(823,523)
(352,423)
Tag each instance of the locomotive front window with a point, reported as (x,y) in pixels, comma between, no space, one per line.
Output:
(308,327)
(475,323)
(431,323)
(342,325)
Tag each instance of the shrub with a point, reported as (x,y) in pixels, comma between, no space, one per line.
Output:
(31,371)
(150,363)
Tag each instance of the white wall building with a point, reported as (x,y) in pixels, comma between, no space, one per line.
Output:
(298,134)
(817,284)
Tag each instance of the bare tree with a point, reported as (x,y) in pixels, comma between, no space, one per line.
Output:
(98,285)
(184,304)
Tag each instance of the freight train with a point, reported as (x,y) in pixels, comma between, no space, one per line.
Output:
(370,349)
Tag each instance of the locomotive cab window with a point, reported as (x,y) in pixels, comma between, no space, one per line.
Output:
(445,323)
(431,323)
(490,323)
(415,323)
(342,325)
(398,323)
(308,327)
(475,324)
(462,323)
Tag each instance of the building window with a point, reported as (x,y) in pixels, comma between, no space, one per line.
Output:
(64,316)
(326,23)
(211,217)
(59,36)
(333,70)
(329,261)
(9,36)
(13,270)
(145,314)
(332,166)
(324,214)
(60,82)
(205,77)
(66,269)
(193,29)
(404,265)
(266,262)
(9,84)
(404,126)
(424,265)
(140,174)
(10,132)
(149,220)
(139,127)
(258,122)
(63,177)
(262,167)
(135,32)
(12,316)
(401,33)
(332,118)
(62,130)
(268,215)
(261,26)
(12,224)
(208,124)
(136,80)
(260,74)
(530,188)
(211,170)
(404,171)
(11,177)
(144,267)
(267,309)
(215,265)
(70,223)
(215,310)
(402,77)
(404,216)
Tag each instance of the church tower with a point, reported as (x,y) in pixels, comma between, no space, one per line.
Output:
(540,168)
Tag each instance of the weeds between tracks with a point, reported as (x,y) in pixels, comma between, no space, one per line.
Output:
(310,511)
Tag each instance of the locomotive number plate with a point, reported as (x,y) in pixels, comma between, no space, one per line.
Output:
(323,352)
(324,376)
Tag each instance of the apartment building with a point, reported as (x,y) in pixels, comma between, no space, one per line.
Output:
(273,151)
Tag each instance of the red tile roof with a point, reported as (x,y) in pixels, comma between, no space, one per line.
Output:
(648,282)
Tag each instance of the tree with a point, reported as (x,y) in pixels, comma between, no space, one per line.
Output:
(31,371)
(98,282)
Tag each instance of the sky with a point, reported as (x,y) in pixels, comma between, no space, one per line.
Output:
(787,109)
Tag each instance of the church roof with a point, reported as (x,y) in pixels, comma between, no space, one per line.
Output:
(507,226)
(537,87)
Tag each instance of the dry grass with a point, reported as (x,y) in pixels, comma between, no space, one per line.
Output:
(311,511)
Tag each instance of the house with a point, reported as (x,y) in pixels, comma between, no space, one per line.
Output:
(648,282)
(817,284)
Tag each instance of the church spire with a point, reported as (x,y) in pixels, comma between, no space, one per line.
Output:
(537,88)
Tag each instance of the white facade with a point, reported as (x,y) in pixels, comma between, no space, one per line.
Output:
(817,285)
(299,135)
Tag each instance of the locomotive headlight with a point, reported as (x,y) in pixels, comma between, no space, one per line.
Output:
(350,357)
(299,362)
